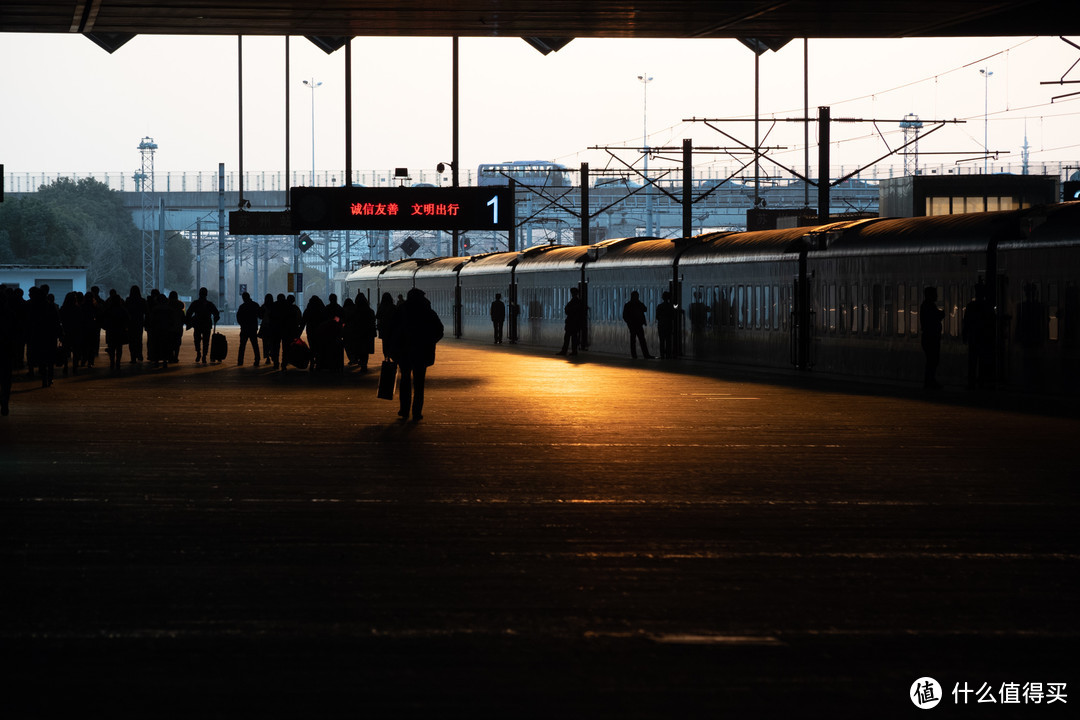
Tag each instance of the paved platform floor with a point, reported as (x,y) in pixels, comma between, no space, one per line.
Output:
(599,538)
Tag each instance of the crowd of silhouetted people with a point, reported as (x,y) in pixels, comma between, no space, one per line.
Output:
(40,335)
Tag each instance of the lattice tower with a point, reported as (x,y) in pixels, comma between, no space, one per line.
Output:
(911,125)
(144,183)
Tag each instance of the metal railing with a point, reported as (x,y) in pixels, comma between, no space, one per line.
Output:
(206,181)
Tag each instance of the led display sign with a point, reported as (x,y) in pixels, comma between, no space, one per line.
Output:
(357,208)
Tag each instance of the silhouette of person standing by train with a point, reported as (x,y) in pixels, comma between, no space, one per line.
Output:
(498,317)
(633,314)
(417,328)
(665,325)
(930,317)
(574,323)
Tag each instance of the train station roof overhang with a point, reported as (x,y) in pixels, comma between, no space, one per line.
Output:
(546,24)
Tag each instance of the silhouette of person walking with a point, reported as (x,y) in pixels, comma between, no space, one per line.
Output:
(384,321)
(201,315)
(930,317)
(498,316)
(359,332)
(114,320)
(633,314)
(665,325)
(416,330)
(136,310)
(247,317)
(574,324)
(9,344)
(44,333)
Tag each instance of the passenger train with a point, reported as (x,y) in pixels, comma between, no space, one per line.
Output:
(841,298)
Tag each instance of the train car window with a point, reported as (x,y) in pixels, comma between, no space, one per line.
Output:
(755,306)
(714,307)
(953,310)
(876,303)
(901,300)
(732,306)
(725,307)
(1052,309)
(913,309)
(778,306)
(766,306)
(843,301)
(831,308)
(887,319)
(741,320)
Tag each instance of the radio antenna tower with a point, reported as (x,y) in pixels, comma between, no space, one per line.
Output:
(911,125)
(144,183)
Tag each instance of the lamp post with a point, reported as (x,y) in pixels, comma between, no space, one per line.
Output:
(312,84)
(645,80)
(986,116)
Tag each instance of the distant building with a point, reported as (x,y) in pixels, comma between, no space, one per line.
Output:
(61,279)
(924,195)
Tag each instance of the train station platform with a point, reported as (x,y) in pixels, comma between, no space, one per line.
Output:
(586,538)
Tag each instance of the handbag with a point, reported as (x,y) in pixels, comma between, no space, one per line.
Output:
(387,376)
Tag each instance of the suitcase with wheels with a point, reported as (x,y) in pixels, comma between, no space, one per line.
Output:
(219,347)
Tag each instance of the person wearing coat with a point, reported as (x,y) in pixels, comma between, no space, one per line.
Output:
(633,315)
(384,320)
(416,330)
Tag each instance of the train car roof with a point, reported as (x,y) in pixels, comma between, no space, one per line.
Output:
(364,272)
(402,268)
(1048,225)
(489,264)
(556,258)
(439,267)
(745,246)
(636,252)
(962,233)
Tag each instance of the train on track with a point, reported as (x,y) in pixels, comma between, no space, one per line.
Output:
(841,298)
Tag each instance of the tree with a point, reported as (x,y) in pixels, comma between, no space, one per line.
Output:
(178,260)
(74,223)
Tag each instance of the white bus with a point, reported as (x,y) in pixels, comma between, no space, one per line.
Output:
(536,173)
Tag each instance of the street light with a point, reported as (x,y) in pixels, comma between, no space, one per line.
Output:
(312,84)
(645,80)
(986,116)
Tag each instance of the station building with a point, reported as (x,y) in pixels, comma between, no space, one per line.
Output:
(61,279)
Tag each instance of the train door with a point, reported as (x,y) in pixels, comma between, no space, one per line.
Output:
(803,350)
(675,287)
(583,287)
(514,309)
(457,309)
(1003,340)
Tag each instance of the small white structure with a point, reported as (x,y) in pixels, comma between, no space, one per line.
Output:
(61,279)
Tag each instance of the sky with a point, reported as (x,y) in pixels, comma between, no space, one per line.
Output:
(67,106)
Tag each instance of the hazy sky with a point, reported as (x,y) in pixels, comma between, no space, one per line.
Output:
(68,106)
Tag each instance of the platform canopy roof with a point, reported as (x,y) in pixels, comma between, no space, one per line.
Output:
(549,24)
